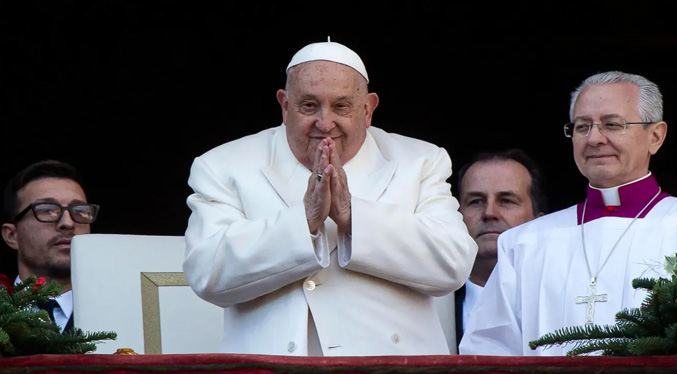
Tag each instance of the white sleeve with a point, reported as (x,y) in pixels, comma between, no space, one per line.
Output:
(231,258)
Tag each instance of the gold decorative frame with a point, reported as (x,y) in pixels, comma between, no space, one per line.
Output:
(150,305)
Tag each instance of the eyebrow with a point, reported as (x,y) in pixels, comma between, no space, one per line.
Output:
(473,195)
(484,194)
(53,200)
(603,118)
(508,194)
(315,97)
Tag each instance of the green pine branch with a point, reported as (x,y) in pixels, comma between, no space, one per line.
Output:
(577,334)
(608,346)
(643,283)
(638,322)
(26,330)
(652,346)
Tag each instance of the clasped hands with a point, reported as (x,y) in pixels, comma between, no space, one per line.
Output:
(328,195)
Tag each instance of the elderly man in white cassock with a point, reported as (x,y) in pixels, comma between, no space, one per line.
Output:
(325,236)
(575,266)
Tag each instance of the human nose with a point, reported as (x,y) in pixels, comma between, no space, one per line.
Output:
(66,221)
(596,136)
(325,120)
(490,211)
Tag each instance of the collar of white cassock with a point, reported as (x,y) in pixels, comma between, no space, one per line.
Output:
(625,201)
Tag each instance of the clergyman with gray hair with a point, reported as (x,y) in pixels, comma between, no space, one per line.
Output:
(575,267)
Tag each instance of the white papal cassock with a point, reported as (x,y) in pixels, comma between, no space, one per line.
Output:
(542,270)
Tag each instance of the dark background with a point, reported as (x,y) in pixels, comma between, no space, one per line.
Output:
(131,92)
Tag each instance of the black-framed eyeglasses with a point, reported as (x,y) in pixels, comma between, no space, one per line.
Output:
(52,212)
(608,128)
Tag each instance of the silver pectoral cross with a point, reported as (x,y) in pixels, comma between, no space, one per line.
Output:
(591,299)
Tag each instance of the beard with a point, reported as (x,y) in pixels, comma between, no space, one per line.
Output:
(54,268)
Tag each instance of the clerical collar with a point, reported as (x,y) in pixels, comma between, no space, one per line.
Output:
(621,201)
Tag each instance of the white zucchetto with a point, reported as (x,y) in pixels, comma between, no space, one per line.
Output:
(329,51)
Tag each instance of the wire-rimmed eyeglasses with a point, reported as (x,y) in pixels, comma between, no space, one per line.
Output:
(52,212)
(608,128)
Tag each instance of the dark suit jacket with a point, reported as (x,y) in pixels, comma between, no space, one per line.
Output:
(69,324)
(49,307)
(459,296)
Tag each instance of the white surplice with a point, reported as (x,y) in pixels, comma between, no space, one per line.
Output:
(542,270)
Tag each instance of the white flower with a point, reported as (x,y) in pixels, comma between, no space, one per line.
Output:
(670,265)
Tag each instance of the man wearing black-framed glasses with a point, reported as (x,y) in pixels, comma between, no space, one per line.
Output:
(44,206)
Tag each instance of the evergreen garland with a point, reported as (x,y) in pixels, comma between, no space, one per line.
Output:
(648,330)
(26,330)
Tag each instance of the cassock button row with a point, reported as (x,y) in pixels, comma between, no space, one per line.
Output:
(395,338)
(310,285)
(291,346)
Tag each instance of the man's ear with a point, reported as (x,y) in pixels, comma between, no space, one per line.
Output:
(657,136)
(9,235)
(284,103)
(370,106)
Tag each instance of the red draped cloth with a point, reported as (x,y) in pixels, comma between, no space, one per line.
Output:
(265,364)
(7,283)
